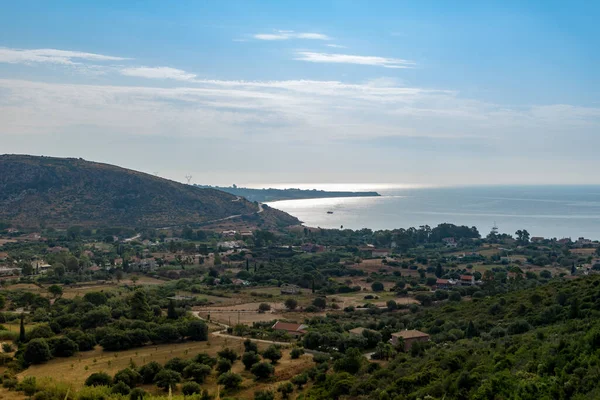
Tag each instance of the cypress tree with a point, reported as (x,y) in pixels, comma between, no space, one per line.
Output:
(22,330)
(171,313)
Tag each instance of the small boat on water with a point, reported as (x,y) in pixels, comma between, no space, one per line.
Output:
(329,212)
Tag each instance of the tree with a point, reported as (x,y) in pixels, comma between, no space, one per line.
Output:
(320,302)
(196,372)
(351,362)
(296,352)
(120,388)
(439,271)
(273,353)
(264,307)
(128,376)
(291,304)
(137,394)
(98,379)
(230,380)
(223,366)
(471,330)
(377,287)
(177,364)
(217,259)
(522,236)
(392,305)
(264,395)
(262,370)
(167,378)
(300,380)
(22,337)
(228,354)
(249,345)
(190,388)
(62,347)
(37,351)
(148,371)
(454,296)
(250,358)
(286,389)
(26,268)
(139,306)
(171,312)
(197,330)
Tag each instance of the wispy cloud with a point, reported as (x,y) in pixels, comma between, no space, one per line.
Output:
(335,46)
(158,73)
(51,56)
(287,35)
(353,59)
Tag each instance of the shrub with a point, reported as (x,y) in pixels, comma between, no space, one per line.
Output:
(84,341)
(377,287)
(230,380)
(40,331)
(285,389)
(28,386)
(129,376)
(203,358)
(291,304)
(98,379)
(197,330)
(300,380)
(37,351)
(262,370)
(121,388)
(249,345)
(196,372)
(190,388)
(264,307)
(149,371)
(136,394)
(228,354)
(94,393)
(273,353)
(250,358)
(7,347)
(177,364)
(320,302)
(223,366)
(518,327)
(296,352)
(167,378)
(264,395)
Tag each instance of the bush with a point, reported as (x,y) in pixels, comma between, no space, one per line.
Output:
(454,296)
(98,379)
(203,358)
(37,351)
(273,353)
(190,388)
(518,327)
(377,287)
(167,378)
(223,366)
(264,307)
(250,346)
(264,395)
(129,376)
(300,380)
(40,331)
(149,371)
(230,380)
(250,358)
(28,386)
(291,304)
(136,394)
(197,330)
(7,348)
(84,341)
(285,389)
(177,364)
(62,347)
(262,370)
(296,352)
(93,393)
(196,372)
(228,354)
(120,388)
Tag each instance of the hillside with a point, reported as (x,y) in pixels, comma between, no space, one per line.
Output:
(266,195)
(59,192)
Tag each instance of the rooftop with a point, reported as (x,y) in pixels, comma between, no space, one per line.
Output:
(410,334)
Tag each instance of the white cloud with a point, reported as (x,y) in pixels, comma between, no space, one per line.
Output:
(286,35)
(353,59)
(335,46)
(52,56)
(158,73)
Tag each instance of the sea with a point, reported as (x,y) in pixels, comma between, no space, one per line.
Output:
(547,211)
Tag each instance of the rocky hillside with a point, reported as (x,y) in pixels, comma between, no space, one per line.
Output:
(62,192)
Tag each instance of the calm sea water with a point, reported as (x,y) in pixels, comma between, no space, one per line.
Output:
(549,211)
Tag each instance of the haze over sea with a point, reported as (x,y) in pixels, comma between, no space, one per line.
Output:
(548,211)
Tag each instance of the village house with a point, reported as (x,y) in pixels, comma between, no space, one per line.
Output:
(289,289)
(450,242)
(312,248)
(467,280)
(537,239)
(444,284)
(408,337)
(290,328)
(380,253)
(583,242)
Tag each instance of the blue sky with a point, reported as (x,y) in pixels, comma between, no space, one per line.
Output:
(429,92)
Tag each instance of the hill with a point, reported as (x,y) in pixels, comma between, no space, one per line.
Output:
(266,195)
(62,192)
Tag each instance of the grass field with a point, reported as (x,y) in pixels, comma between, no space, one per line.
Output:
(75,370)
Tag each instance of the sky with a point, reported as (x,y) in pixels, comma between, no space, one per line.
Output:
(281,92)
